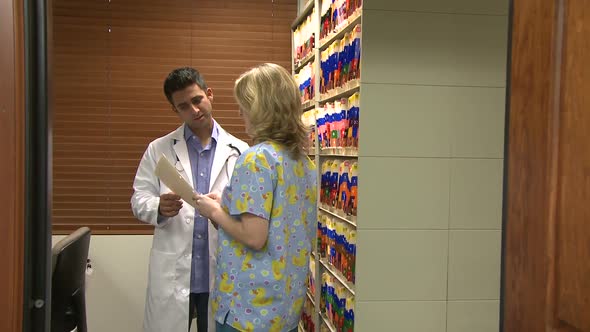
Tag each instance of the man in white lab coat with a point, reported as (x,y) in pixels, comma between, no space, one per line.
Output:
(183,254)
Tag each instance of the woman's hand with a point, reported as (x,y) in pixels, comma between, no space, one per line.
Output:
(215,195)
(207,205)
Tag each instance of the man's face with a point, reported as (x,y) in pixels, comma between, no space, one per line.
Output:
(193,106)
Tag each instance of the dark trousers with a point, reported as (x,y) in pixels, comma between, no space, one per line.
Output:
(197,308)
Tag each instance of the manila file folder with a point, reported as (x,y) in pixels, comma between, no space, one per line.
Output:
(168,174)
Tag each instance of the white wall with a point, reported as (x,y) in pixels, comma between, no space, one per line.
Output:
(116,289)
(431,148)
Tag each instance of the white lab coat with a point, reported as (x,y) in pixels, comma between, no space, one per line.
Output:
(167,299)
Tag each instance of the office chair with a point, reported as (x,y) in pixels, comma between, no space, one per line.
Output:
(68,296)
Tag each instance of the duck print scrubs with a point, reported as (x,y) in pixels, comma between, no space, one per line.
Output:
(264,290)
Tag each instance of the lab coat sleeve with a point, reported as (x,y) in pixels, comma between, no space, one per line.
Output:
(146,191)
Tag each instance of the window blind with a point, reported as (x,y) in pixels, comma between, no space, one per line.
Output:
(109,60)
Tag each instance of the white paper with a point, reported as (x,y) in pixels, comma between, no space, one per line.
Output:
(171,178)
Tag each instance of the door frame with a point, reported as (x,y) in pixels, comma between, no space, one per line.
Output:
(529,165)
(505,163)
(38,151)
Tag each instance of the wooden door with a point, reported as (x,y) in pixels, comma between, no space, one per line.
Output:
(546,278)
(12,113)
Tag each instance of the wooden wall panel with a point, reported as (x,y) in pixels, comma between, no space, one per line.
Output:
(571,255)
(546,253)
(526,201)
(12,112)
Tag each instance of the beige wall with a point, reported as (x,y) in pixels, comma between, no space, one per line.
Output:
(116,289)
(432,135)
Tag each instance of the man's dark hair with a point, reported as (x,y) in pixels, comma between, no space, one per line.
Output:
(181,78)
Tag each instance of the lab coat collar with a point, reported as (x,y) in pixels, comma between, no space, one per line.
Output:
(181,151)
(222,153)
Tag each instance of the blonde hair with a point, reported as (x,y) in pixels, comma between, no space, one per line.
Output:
(270,98)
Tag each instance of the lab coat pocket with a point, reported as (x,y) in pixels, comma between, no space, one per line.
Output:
(161,275)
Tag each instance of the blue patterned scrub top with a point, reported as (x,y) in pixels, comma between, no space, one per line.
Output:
(265,290)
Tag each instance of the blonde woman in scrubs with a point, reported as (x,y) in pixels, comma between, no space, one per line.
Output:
(267,214)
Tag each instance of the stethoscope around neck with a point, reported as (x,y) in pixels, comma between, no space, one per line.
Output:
(236,154)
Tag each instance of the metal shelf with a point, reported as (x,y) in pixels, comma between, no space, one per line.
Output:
(328,323)
(304,13)
(352,21)
(338,275)
(339,152)
(310,297)
(307,105)
(308,58)
(349,88)
(350,222)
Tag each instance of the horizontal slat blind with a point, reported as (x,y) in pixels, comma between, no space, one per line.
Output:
(109,60)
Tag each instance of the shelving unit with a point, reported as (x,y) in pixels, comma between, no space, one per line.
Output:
(307,59)
(310,297)
(351,221)
(348,89)
(350,23)
(308,105)
(339,153)
(338,275)
(323,154)
(303,15)
(328,323)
